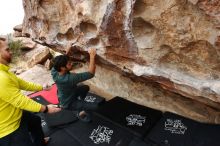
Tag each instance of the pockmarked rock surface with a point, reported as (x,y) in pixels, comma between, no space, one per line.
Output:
(170,45)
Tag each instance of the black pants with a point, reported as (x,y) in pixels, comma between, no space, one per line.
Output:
(78,102)
(28,134)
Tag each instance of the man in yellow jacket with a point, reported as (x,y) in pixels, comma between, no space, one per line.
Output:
(18,126)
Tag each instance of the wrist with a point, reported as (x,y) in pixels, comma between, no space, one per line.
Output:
(92,57)
(46,109)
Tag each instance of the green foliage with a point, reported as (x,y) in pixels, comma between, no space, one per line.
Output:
(15,47)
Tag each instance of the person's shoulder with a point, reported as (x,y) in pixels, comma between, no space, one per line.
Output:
(4,76)
(3,73)
(54,72)
(89,73)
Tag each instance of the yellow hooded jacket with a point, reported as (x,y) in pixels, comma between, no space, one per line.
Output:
(13,102)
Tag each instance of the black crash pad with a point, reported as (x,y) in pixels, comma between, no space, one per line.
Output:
(135,118)
(45,127)
(207,135)
(61,118)
(173,130)
(61,138)
(40,99)
(98,132)
(140,142)
(93,101)
(52,122)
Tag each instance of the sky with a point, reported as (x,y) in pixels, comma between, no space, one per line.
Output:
(11,14)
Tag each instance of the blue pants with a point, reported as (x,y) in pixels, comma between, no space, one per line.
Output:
(28,134)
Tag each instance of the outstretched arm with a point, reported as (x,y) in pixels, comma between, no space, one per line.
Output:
(28,86)
(14,97)
(80,77)
(92,54)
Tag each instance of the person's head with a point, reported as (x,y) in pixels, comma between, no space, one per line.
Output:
(5,53)
(62,63)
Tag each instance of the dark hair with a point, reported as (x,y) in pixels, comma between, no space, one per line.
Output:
(60,61)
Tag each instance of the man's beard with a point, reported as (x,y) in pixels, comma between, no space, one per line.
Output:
(8,59)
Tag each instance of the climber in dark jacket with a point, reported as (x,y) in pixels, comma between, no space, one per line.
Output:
(70,94)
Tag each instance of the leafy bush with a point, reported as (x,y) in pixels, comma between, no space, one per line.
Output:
(15,47)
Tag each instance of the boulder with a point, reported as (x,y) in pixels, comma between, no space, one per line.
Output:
(172,45)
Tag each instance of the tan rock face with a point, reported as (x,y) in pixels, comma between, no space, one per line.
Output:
(39,57)
(18,28)
(212,8)
(151,95)
(27,43)
(173,44)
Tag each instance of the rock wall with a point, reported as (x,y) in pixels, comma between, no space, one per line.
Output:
(171,47)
